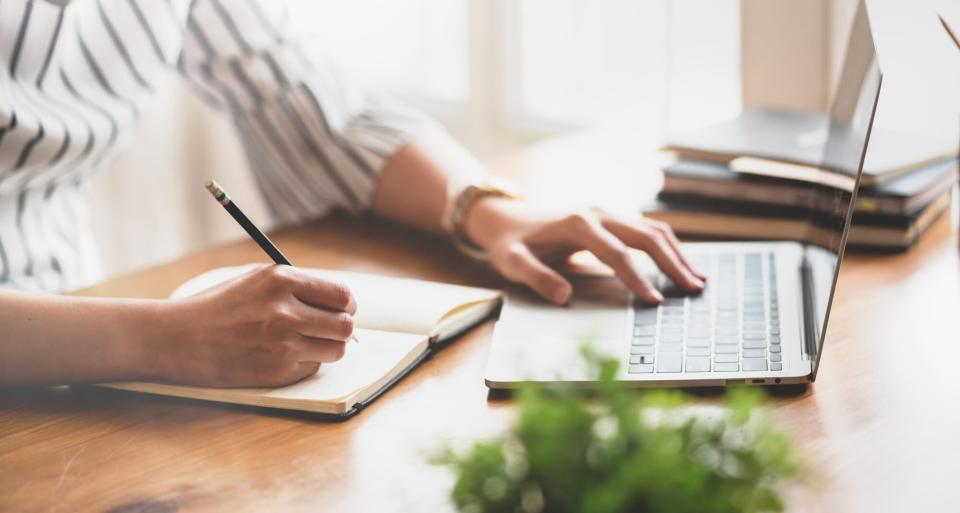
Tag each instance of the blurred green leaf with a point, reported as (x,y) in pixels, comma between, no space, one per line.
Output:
(616,450)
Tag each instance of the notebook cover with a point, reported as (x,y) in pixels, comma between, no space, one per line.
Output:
(699,204)
(863,236)
(798,137)
(907,185)
(904,195)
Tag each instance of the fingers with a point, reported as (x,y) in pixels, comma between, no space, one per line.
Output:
(520,265)
(587,231)
(318,350)
(674,242)
(314,290)
(306,369)
(284,375)
(655,244)
(318,323)
(293,360)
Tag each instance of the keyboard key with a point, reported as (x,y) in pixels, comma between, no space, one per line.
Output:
(697,364)
(672,338)
(641,359)
(731,349)
(774,339)
(671,290)
(754,344)
(776,366)
(775,348)
(726,367)
(670,348)
(641,331)
(754,364)
(698,342)
(728,339)
(754,335)
(671,328)
(644,341)
(775,357)
(726,358)
(698,351)
(641,369)
(670,362)
(641,350)
(645,315)
(754,353)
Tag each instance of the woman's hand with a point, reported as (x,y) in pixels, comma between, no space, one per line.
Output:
(272,326)
(523,244)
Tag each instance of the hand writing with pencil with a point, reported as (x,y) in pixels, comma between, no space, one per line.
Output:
(271,326)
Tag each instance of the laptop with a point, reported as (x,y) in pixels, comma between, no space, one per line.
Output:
(762,317)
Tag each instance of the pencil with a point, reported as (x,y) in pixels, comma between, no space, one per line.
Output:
(258,236)
(255,233)
(953,35)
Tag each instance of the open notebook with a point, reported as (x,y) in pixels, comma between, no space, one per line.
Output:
(400,322)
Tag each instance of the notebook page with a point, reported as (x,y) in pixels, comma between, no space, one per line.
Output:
(383,303)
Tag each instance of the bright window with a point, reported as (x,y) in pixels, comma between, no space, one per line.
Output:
(415,48)
(527,67)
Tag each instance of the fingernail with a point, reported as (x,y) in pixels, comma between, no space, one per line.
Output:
(657,296)
(698,283)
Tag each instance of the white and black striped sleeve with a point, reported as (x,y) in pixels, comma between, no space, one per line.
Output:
(314,142)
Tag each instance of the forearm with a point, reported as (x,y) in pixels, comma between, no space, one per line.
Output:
(46,340)
(414,186)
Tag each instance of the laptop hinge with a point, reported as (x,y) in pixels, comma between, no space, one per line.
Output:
(810,338)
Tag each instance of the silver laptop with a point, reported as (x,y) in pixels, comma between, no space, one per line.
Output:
(763,315)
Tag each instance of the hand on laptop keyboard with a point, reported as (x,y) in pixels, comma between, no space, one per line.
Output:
(521,243)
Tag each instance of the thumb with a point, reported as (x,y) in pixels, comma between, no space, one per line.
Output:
(520,265)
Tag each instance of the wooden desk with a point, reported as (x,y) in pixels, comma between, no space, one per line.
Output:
(881,424)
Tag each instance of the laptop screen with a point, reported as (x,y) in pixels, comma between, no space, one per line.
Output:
(850,122)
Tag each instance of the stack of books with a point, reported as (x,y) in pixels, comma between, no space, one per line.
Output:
(759,175)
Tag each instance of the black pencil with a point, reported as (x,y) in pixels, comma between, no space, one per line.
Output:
(258,236)
(255,233)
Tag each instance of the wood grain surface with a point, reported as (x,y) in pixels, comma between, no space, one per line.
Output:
(881,426)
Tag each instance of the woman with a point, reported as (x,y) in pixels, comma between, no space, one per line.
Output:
(74,76)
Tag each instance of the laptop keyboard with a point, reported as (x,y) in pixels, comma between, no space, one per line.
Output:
(734,325)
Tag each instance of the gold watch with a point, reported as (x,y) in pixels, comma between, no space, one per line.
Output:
(461,201)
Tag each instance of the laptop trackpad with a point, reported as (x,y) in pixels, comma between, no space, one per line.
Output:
(535,340)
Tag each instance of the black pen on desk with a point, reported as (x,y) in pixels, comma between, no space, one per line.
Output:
(255,233)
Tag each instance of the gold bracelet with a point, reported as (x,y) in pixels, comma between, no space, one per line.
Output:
(456,213)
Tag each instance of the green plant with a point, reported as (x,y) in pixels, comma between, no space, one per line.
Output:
(617,450)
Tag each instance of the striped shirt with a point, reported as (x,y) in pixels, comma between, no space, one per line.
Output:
(74,76)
